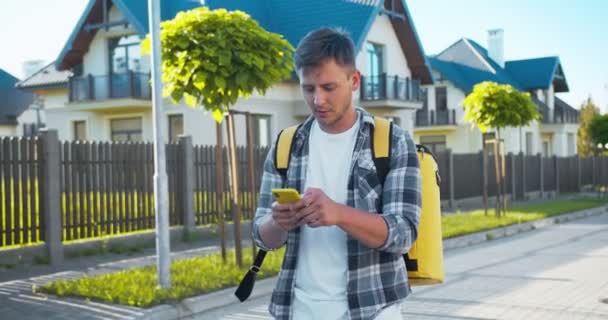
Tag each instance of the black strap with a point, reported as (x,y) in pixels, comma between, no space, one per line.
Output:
(246,286)
(410,264)
(382,164)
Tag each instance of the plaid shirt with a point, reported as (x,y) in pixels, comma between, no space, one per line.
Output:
(376,277)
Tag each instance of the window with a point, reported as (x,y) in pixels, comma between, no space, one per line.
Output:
(546,149)
(176,127)
(128,129)
(435,143)
(441,99)
(79,128)
(571,144)
(375,69)
(125,54)
(529,145)
(261,130)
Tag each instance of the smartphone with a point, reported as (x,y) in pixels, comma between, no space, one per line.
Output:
(286,195)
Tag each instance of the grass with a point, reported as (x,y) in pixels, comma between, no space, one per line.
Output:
(470,222)
(189,277)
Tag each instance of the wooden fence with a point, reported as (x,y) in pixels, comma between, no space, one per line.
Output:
(74,190)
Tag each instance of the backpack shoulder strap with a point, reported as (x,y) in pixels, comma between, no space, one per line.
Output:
(381,146)
(283,147)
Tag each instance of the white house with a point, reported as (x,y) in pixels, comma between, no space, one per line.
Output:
(106,95)
(440,123)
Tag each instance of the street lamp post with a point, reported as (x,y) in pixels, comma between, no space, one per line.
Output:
(163,259)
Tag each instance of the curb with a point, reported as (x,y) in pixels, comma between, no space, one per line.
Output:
(195,305)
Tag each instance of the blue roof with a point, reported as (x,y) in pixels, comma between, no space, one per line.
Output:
(460,71)
(292,19)
(537,73)
(12,100)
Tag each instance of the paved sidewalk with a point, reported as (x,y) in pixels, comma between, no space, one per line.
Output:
(559,270)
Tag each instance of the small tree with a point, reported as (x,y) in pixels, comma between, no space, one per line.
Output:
(598,129)
(584,143)
(493,105)
(211,59)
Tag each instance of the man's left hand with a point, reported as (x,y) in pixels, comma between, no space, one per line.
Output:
(317,209)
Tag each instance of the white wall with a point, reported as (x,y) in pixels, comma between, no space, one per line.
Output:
(6,130)
(382,33)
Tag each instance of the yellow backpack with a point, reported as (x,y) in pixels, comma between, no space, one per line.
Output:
(424,261)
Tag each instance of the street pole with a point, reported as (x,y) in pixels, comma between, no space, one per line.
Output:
(161,207)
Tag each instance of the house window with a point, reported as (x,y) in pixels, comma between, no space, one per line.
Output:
(435,143)
(529,144)
(125,54)
(441,98)
(571,144)
(176,127)
(375,69)
(546,149)
(261,129)
(127,129)
(79,128)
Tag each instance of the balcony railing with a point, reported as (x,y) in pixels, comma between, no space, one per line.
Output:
(97,88)
(384,87)
(435,118)
(559,116)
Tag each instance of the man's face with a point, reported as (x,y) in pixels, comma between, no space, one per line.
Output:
(327,89)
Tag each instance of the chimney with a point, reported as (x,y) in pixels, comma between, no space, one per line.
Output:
(496,46)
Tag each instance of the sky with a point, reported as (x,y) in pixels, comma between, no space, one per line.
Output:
(572,30)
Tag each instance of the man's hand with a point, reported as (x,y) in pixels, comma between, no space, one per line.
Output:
(316,209)
(284,215)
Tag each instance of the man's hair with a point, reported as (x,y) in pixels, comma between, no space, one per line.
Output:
(322,44)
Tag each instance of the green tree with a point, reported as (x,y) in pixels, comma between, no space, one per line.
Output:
(598,129)
(211,58)
(584,143)
(493,105)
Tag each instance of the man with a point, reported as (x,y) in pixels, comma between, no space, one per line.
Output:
(346,236)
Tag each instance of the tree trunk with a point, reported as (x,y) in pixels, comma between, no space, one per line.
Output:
(251,167)
(497,172)
(234,188)
(219,185)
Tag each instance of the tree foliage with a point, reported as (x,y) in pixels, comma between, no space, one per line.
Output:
(598,128)
(493,105)
(584,142)
(210,58)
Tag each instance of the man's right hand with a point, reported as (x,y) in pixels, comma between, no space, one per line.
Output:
(284,215)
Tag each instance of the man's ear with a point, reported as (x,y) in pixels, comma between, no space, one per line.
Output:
(355,79)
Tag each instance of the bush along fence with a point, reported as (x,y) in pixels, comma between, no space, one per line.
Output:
(54,192)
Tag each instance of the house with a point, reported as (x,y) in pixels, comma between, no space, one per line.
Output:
(12,103)
(440,123)
(107,93)
(51,88)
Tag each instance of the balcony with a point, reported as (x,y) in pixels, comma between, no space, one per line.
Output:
(131,85)
(426,118)
(560,116)
(390,91)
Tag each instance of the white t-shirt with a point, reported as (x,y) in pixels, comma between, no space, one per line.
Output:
(320,281)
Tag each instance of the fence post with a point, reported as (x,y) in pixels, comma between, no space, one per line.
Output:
(523,175)
(187,182)
(556,171)
(513,177)
(577,159)
(51,195)
(541,175)
(451,177)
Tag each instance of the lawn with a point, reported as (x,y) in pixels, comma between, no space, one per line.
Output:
(190,277)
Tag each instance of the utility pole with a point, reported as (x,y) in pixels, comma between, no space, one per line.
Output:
(161,207)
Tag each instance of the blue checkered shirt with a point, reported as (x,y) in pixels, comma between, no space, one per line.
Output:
(376,278)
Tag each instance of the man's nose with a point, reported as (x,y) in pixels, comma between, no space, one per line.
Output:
(318,98)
